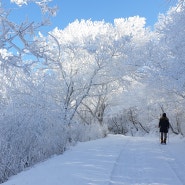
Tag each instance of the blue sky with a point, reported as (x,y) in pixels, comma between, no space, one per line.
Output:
(108,10)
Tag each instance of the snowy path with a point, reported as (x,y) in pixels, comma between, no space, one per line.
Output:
(146,162)
(115,160)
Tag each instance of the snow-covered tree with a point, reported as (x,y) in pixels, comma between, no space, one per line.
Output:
(167,66)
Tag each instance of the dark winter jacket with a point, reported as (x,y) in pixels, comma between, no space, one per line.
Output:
(164,124)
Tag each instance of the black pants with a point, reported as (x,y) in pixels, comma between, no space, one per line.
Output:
(163,137)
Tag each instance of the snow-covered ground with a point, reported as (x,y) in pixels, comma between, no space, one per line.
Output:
(115,160)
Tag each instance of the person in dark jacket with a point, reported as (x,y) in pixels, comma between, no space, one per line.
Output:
(164,126)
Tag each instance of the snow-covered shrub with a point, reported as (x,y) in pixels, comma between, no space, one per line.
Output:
(127,122)
(84,132)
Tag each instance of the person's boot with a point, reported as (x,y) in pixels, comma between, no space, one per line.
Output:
(164,141)
(161,141)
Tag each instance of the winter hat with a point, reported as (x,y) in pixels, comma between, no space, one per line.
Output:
(164,114)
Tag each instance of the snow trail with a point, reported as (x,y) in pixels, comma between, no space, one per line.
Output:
(145,163)
(174,155)
(115,160)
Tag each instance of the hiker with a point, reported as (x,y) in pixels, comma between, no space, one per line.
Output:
(164,126)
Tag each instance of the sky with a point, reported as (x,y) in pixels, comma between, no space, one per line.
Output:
(96,10)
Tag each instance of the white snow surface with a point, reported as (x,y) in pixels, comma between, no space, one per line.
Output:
(114,160)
